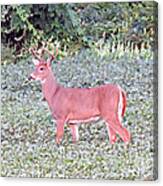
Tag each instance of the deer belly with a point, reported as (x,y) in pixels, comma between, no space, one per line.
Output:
(84,120)
(83,115)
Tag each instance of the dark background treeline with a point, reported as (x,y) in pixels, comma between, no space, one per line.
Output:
(77,25)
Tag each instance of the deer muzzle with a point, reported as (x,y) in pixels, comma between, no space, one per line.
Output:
(31,77)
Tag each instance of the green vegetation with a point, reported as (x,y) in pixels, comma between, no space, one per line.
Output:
(74,26)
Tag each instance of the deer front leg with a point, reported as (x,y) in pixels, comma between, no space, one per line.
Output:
(74,132)
(60,131)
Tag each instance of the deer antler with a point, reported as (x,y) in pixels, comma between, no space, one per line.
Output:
(34,53)
(50,54)
(39,55)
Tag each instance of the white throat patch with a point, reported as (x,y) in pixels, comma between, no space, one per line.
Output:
(43,81)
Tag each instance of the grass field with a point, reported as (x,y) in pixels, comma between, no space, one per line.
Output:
(28,147)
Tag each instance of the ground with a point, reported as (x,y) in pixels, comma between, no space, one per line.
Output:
(28,146)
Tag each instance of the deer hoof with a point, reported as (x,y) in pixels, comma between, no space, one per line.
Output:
(74,140)
(113,139)
(127,137)
(58,140)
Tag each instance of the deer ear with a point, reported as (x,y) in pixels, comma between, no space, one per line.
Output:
(49,62)
(35,61)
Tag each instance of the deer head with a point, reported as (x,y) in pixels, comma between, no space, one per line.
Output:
(42,66)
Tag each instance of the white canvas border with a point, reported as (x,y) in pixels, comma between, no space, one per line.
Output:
(43,181)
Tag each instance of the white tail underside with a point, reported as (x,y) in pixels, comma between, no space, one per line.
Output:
(120,106)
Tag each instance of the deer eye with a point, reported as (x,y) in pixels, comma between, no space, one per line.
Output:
(41,68)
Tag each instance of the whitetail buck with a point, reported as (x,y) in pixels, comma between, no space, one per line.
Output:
(75,105)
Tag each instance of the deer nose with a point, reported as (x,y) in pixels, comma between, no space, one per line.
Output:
(30,78)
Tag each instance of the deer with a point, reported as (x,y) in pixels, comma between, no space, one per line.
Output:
(72,106)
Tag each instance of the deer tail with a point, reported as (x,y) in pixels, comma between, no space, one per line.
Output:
(124,101)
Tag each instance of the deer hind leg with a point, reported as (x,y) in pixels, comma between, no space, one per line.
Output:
(60,131)
(74,132)
(114,122)
(111,133)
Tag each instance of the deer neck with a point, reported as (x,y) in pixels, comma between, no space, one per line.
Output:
(49,87)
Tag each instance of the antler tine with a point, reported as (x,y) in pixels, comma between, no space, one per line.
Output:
(42,49)
(52,56)
(32,50)
(39,54)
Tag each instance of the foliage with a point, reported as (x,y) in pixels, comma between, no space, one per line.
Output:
(72,26)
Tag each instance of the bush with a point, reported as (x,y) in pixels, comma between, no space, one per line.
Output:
(72,26)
